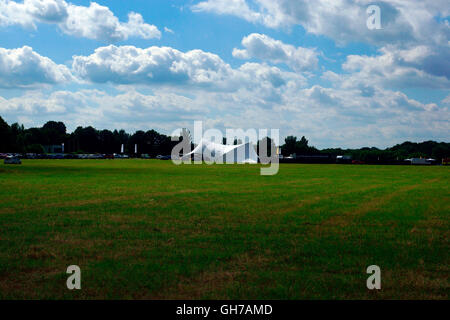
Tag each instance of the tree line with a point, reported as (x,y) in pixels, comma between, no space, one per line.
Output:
(15,138)
(399,152)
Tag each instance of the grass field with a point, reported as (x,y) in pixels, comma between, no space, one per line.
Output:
(148,229)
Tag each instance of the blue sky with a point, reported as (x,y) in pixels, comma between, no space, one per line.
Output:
(307,68)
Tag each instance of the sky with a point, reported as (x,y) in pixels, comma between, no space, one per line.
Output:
(307,68)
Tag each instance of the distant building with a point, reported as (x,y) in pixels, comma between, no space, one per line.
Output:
(418,161)
(223,153)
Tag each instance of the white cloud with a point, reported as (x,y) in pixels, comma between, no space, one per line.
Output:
(415,67)
(14,13)
(326,116)
(157,65)
(346,117)
(130,110)
(150,67)
(23,67)
(237,8)
(343,20)
(168,30)
(164,66)
(93,22)
(196,85)
(50,11)
(413,42)
(98,22)
(263,47)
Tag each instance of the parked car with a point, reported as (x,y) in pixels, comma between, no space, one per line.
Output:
(30,156)
(96,156)
(120,156)
(12,160)
(58,156)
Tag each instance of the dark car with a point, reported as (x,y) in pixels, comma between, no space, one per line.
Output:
(12,160)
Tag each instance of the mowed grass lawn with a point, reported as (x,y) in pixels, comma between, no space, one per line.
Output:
(148,229)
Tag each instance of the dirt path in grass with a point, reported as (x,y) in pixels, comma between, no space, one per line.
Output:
(345,218)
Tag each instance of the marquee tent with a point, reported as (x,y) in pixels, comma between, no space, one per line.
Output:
(220,153)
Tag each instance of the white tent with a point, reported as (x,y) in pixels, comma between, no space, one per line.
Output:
(220,153)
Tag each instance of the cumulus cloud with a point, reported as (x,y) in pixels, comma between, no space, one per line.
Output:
(129,64)
(153,66)
(327,116)
(343,20)
(168,66)
(50,11)
(23,67)
(237,8)
(413,43)
(263,47)
(93,22)
(98,22)
(414,67)
(348,117)
(197,85)
(129,110)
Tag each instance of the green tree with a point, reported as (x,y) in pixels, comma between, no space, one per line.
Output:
(289,145)
(54,132)
(6,137)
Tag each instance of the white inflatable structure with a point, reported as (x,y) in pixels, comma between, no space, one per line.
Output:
(222,153)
